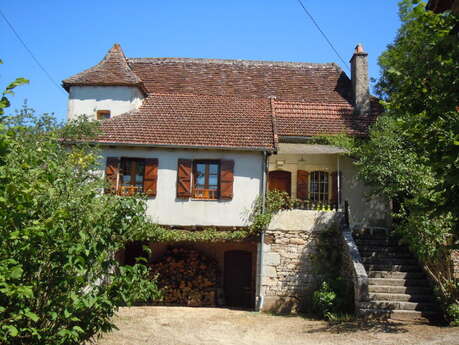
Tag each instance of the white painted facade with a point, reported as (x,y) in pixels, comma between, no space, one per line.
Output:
(86,100)
(166,209)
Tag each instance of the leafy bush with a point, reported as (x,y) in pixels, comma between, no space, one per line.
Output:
(453,314)
(59,280)
(324,301)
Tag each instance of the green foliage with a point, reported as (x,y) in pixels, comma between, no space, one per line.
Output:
(453,314)
(327,264)
(412,156)
(59,280)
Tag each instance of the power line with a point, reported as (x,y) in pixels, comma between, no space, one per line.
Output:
(30,52)
(324,35)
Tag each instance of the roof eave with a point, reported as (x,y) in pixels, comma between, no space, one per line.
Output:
(172,146)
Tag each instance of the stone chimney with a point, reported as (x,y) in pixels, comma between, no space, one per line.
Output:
(359,77)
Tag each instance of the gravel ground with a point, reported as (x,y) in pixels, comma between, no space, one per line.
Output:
(218,326)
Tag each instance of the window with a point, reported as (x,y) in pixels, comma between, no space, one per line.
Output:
(103,114)
(319,186)
(206,179)
(132,172)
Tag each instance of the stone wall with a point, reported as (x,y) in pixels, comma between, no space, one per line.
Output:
(288,275)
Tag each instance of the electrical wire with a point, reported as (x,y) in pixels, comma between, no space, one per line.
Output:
(31,53)
(324,35)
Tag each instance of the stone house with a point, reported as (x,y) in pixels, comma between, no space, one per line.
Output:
(204,138)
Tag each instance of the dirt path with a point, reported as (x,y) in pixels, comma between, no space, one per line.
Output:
(211,326)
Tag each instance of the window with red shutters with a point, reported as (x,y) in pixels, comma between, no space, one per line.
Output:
(206,179)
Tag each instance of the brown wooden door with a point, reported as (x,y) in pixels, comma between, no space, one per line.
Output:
(280,180)
(238,279)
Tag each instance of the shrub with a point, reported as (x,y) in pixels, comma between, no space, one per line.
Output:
(59,280)
(453,314)
(324,301)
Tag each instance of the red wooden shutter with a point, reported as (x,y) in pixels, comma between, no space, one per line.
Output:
(111,174)
(302,183)
(150,176)
(226,179)
(184,178)
(334,178)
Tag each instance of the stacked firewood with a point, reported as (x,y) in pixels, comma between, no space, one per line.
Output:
(186,277)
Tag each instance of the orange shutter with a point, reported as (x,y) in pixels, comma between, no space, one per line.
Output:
(111,174)
(226,180)
(302,185)
(184,178)
(150,176)
(334,194)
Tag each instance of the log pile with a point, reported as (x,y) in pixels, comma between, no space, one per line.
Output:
(186,277)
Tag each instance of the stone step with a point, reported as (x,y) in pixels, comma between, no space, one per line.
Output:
(400,297)
(395,275)
(392,268)
(424,283)
(400,315)
(391,289)
(385,254)
(398,305)
(389,261)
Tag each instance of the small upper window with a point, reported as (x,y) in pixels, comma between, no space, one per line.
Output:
(206,179)
(103,114)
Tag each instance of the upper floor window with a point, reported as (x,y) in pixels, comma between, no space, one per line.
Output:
(319,186)
(132,171)
(206,183)
(103,114)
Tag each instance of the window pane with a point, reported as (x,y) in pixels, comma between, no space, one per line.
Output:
(213,181)
(126,179)
(213,168)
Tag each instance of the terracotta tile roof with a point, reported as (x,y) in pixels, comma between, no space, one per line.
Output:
(112,70)
(194,121)
(310,119)
(243,78)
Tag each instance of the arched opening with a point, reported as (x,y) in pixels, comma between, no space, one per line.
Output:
(281,181)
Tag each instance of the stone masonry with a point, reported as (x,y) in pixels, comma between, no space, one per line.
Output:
(288,276)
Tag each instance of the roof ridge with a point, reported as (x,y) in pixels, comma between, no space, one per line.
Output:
(205,95)
(236,61)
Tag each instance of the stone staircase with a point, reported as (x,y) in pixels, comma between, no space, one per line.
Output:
(397,286)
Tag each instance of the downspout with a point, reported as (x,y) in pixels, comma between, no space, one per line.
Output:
(260,297)
(338,182)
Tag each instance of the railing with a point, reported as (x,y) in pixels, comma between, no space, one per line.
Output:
(314,205)
(352,263)
(207,194)
(129,190)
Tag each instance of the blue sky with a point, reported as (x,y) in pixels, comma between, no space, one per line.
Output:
(69,36)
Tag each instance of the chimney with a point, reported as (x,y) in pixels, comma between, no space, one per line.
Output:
(359,77)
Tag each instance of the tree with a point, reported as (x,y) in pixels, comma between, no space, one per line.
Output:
(412,154)
(59,280)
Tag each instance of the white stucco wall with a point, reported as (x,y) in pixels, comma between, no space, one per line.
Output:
(86,100)
(363,209)
(166,209)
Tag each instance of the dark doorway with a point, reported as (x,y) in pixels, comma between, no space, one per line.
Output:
(238,279)
(133,251)
(280,180)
